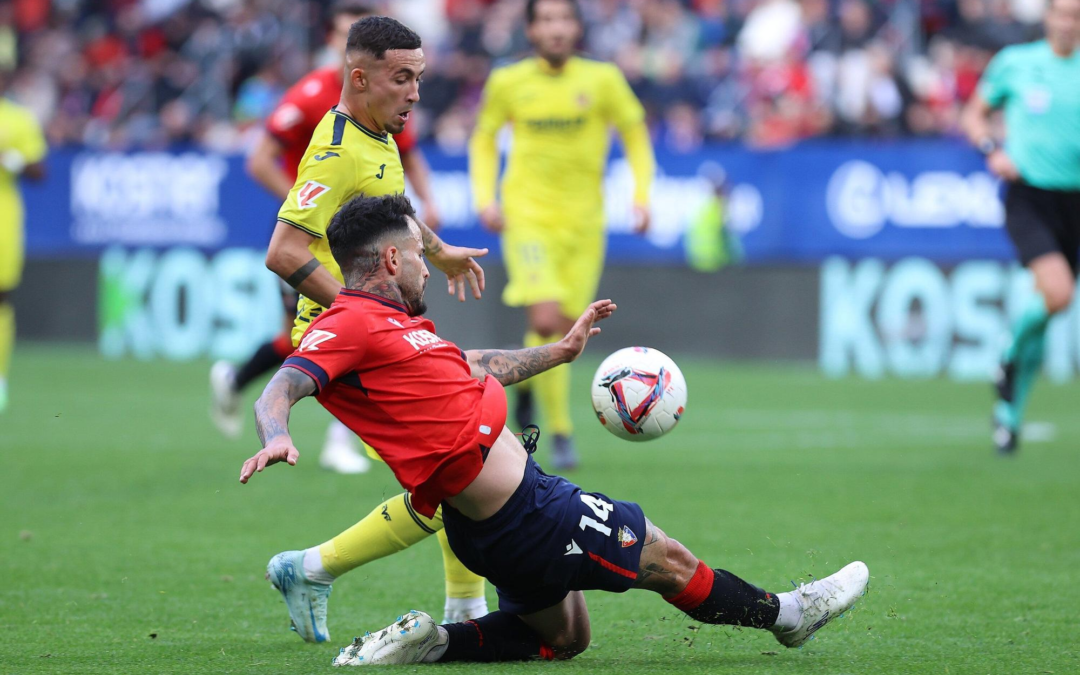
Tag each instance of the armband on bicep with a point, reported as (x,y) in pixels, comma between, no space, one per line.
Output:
(300,276)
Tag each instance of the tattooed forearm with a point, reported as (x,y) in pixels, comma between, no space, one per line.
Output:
(300,276)
(432,244)
(510,366)
(272,409)
(271,418)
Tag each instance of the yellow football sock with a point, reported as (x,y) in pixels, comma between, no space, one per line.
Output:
(552,391)
(7,336)
(460,582)
(393,526)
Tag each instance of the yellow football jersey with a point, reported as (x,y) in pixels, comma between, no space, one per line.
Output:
(20,133)
(344,159)
(561,121)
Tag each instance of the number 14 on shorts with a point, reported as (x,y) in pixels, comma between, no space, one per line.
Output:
(602,510)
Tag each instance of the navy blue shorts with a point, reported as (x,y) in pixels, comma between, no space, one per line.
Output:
(550,538)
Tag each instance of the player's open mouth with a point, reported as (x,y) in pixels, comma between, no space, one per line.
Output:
(404,116)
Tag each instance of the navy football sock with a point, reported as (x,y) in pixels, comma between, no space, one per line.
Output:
(265,359)
(496,637)
(718,596)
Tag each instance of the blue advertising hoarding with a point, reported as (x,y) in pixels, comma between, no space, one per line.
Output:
(856,199)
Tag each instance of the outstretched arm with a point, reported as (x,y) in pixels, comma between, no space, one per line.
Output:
(456,262)
(510,366)
(272,409)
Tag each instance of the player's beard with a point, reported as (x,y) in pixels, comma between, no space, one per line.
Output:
(414,299)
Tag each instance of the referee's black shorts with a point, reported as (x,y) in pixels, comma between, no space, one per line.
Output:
(1043,221)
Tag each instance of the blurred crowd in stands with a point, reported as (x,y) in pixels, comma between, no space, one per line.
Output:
(149,73)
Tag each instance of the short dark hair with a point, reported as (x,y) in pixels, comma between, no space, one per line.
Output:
(378,34)
(351,8)
(530,9)
(361,224)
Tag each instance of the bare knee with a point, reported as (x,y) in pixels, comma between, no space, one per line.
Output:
(547,321)
(1055,281)
(666,566)
(1058,297)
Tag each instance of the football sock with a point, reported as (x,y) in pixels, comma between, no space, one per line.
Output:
(283,345)
(7,337)
(460,582)
(718,596)
(552,391)
(391,527)
(264,360)
(313,567)
(496,637)
(1025,351)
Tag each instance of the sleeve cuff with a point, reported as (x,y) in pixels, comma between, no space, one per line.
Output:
(300,227)
(309,368)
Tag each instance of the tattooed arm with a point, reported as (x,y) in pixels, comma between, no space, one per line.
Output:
(510,366)
(287,387)
(456,262)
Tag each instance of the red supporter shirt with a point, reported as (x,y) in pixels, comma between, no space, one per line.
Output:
(302,108)
(406,391)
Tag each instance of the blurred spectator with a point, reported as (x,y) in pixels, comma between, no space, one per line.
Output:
(771,72)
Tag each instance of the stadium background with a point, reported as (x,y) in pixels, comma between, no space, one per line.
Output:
(873,249)
(149,107)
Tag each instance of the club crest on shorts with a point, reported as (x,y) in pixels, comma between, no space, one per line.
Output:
(626,537)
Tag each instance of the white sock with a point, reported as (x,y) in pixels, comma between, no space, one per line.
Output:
(441,643)
(313,567)
(790,611)
(471,605)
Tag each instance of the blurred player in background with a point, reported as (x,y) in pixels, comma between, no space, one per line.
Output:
(353,151)
(551,210)
(710,244)
(273,163)
(22,150)
(1038,86)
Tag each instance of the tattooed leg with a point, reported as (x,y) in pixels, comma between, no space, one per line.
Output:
(710,596)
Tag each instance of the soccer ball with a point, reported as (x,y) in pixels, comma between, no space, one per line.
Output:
(638,394)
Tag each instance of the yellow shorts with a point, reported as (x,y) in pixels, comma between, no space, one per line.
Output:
(546,267)
(11,256)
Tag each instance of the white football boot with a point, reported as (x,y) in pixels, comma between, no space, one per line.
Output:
(225,400)
(824,600)
(305,599)
(339,453)
(407,640)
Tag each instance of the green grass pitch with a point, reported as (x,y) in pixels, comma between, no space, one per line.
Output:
(128,546)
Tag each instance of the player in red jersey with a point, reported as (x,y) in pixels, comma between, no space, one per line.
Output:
(273,163)
(437,414)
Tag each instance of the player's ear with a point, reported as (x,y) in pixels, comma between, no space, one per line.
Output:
(358,78)
(392,259)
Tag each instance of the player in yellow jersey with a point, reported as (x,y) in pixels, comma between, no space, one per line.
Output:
(22,149)
(551,213)
(352,151)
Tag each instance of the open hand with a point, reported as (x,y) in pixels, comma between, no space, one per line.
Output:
(1002,166)
(584,328)
(460,268)
(278,450)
